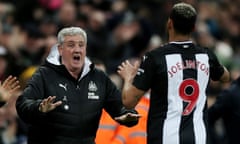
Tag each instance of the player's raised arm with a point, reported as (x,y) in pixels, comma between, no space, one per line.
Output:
(130,94)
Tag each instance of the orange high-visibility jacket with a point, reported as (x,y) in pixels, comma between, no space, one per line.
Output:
(106,129)
(136,134)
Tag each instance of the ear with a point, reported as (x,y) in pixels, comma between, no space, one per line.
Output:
(169,24)
(60,47)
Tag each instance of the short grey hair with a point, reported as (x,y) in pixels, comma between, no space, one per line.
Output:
(71,31)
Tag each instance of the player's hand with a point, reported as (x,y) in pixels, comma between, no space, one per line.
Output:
(8,87)
(127,71)
(128,117)
(48,104)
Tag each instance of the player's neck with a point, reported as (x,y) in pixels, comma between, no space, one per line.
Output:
(179,37)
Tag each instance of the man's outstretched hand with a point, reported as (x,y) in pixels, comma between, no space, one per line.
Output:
(128,117)
(48,104)
(8,87)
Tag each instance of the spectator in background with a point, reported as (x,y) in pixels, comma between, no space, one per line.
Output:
(3,63)
(26,75)
(33,51)
(7,89)
(227,108)
(66,15)
(8,117)
(107,126)
(110,132)
(130,38)
(48,27)
(98,36)
(137,134)
(64,99)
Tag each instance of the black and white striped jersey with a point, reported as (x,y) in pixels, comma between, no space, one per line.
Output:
(177,74)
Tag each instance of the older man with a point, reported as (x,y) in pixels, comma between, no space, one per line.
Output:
(64,99)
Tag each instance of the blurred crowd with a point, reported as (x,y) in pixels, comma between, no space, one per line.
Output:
(117,30)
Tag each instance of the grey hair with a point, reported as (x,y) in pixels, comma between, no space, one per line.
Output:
(71,31)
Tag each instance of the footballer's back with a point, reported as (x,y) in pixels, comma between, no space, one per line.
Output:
(177,74)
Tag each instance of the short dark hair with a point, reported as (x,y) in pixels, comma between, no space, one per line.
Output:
(184,18)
